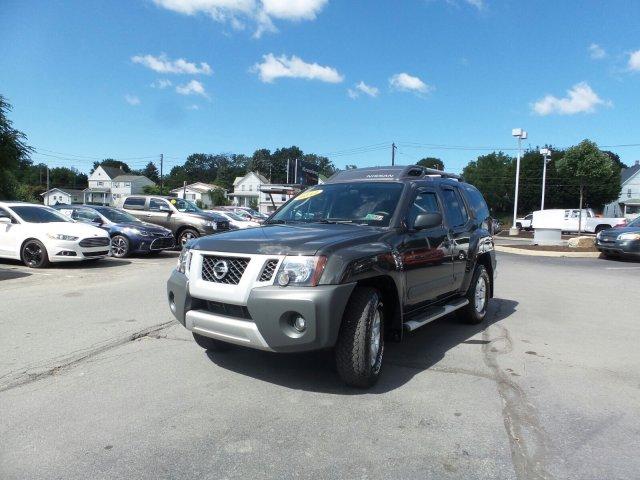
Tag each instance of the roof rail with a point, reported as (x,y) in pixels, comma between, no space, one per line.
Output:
(417,171)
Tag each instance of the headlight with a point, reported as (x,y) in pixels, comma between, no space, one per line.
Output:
(211,224)
(60,236)
(629,236)
(300,271)
(134,231)
(184,261)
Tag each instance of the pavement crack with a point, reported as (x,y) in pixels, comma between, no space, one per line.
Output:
(50,368)
(527,439)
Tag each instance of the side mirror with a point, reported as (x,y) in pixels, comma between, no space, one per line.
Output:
(97,221)
(427,220)
(6,220)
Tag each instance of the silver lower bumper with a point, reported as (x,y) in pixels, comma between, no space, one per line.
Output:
(240,332)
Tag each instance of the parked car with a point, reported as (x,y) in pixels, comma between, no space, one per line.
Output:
(183,217)
(247,213)
(38,235)
(525,223)
(567,220)
(623,241)
(235,221)
(128,234)
(348,264)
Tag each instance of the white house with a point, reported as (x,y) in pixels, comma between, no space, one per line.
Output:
(246,190)
(197,192)
(108,184)
(628,204)
(273,196)
(62,195)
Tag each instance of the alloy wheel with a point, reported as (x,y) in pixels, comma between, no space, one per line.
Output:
(481,294)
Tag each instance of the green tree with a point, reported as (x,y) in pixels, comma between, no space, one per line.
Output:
(217,197)
(151,172)
(494,176)
(110,162)
(589,175)
(431,162)
(14,153)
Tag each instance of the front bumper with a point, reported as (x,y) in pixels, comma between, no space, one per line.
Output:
(67,251)
(153,244)
(620,247)
(267,326)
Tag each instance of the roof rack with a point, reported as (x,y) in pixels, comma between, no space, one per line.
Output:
(417,171)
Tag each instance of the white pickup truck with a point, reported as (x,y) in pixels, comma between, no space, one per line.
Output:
(525,222)
(567,220)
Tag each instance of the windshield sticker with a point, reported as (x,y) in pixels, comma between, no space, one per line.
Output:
(371,216)
(66,211)
(308,194)
(173,201)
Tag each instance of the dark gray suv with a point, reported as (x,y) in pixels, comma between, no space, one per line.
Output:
(182,217)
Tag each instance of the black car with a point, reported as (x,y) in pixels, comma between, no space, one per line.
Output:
(620,241)
(349,264)
(128,234)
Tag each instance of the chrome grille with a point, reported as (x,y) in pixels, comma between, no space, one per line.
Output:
(268,270)
(95,242)
(227,270)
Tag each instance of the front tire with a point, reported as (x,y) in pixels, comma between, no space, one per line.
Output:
(186,235)
(360,345)
(478,296)
(211,343)
(120,246)
(34,254)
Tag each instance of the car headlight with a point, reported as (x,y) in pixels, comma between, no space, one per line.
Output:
(629,236)
(60,236)
(300,271)
(184,261)
(134,231)
(211,224)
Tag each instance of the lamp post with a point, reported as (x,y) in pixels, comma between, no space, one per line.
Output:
(546,156)
(520,134)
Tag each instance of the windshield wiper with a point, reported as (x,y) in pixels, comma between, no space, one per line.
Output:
(332,221)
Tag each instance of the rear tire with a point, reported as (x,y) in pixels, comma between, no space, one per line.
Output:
(360,345)
(34,254)
(478,295)
(211,343)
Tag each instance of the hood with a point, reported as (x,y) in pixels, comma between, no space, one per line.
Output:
(614,232)
(77,229)
(297,239)
(206,216)
(145,227)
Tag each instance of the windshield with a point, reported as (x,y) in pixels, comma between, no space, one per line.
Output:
(33,214)
(365,203)
(184,205)
(635,223)
(117,216)
(233,216)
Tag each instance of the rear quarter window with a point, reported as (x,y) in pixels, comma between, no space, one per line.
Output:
(476,203)
(134,203)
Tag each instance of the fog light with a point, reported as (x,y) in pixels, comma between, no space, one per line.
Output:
(299,323)
(283,279)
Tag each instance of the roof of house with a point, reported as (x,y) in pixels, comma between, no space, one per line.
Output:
(113,172)
(68,191)
(261,177)
(199,187)
(627,173)
(127,177)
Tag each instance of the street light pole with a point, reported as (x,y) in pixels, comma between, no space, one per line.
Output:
(520,134)
(546,155)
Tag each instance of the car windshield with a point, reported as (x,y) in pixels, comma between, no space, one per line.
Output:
(635,223)
(33,214)
(233,216)
(184,205)
(117,216)
(365,203)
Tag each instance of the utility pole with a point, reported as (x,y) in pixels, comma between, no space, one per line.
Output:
(184,189)
(521,135)
(161,175)
(47,185)
(288,171)
(296,173)
(393,154)
(580,214)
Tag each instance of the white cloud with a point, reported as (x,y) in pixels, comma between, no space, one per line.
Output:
(162,64)
(273,67)
(596,52)
(580,99)
(408,83)
(193,107)
(362,87)
(132,100)
(634,61)
(161,83)
(479,4)
(194,87)
(260,12)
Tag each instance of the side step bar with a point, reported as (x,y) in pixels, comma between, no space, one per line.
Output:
(434,314)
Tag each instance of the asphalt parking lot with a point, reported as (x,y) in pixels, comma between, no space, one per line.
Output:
(98,381)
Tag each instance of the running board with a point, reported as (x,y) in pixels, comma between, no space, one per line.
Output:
(436,313)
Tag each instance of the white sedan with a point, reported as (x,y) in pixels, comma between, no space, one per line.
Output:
(38,235)
(236,221)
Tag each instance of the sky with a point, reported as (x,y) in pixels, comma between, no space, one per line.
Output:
(445,78)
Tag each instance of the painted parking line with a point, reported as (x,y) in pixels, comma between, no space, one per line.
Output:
(623,268)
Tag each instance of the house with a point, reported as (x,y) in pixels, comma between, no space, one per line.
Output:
(628,204)
(197,192)
(246,190)
(107,184)
(274,196)
(67,196)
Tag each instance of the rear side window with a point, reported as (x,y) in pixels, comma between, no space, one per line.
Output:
(134,203)
(476,203)
(455,208)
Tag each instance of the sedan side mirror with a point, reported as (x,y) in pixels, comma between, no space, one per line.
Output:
(427,220)
(5,220)
(97,221)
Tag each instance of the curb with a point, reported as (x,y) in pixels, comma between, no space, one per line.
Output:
(533,253)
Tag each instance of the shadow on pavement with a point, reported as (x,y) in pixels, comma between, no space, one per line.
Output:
(315,371)
(12,274)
